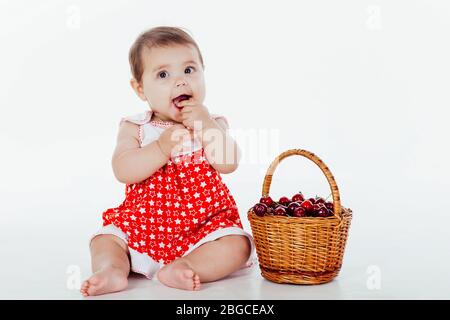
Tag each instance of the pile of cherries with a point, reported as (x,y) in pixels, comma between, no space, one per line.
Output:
(298,206)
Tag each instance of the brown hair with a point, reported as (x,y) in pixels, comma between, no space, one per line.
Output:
(157,37)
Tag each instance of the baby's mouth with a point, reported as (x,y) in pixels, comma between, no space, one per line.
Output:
(180,98)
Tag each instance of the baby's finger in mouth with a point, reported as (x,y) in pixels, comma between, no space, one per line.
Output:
(188,102)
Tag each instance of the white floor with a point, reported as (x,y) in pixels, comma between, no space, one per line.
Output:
(45,255)
(38,266)
(50,272)
(38,270)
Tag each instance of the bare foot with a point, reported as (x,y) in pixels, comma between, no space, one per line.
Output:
(104,281)
(179,274)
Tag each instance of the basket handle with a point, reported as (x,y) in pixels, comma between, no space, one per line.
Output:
(311,156)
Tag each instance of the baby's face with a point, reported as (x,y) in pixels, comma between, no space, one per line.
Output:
(170,72)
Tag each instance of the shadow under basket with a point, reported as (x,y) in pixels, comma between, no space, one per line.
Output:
(301,250)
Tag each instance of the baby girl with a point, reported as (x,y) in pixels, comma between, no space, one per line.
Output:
(178,221)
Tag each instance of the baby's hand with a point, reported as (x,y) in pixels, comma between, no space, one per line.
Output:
(172,139)
(193,112)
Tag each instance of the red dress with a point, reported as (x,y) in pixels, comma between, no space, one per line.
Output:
(176,209)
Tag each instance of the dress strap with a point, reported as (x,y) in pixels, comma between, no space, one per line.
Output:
(139,118)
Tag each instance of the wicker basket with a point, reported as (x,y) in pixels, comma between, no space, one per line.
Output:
(307,250)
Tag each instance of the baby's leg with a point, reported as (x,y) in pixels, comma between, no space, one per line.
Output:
(110,266)
(210,262)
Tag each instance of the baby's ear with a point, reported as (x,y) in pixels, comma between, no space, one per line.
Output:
(138,89)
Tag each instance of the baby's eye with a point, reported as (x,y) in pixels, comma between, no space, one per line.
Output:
(162,74)
(188,69)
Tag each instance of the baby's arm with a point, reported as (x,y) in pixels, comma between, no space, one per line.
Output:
(130,162)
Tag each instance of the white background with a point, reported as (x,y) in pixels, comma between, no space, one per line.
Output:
(363,84)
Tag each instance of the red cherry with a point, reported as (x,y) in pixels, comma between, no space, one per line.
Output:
(291,207)
(315,209)
(319,200)
(279,211)
(284,201)
(260,209)
(312,200)
(329,205)
(307,205)
(322,212)
(299,212)
(298,197)
(266,200)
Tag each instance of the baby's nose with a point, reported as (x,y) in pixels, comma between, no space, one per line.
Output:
(181,83)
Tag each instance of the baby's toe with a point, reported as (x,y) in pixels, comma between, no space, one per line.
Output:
(196,282)
(94,280)
(188,273)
